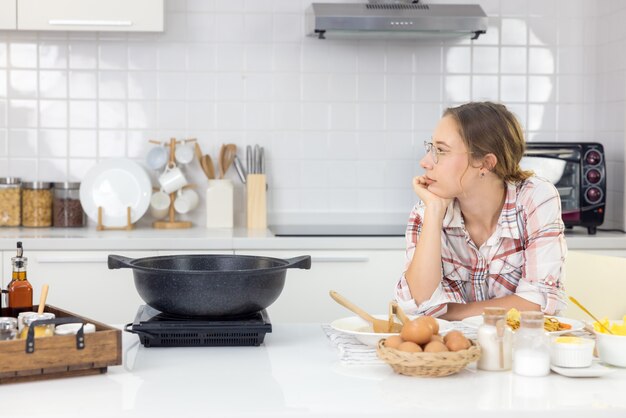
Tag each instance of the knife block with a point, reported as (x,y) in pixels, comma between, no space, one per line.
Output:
(256,201)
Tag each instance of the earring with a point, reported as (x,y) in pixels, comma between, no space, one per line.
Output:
(482,174)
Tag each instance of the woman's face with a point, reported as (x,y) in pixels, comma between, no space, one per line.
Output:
(452,160)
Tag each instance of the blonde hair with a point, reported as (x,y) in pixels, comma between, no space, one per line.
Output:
(490,128)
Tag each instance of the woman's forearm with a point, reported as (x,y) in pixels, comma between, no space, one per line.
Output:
(424,272)
(458,311)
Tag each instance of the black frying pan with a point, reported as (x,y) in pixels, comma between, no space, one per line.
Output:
(209,285)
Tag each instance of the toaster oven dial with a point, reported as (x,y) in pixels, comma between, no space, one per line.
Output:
(593,157)
(593,176)
(593,195)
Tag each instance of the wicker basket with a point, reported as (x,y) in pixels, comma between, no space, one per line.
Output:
(427,364)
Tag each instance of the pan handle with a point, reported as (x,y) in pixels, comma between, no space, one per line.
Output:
(119,262)
(301,262)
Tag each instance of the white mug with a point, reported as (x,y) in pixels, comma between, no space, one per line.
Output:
(159,204)
(184,153)
(172,179)
(186,201)
(157,157)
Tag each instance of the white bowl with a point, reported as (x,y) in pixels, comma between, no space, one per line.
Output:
(612,349)
(362,330)
(69,329)
(571,351)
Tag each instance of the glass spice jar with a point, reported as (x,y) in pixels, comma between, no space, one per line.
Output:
(531,346)
(36,204)
(8,328)
(66,208)
(40,330)
(10,201)
(496,341)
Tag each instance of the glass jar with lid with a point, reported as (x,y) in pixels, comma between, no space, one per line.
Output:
(40,330)
(66,208)
(8,328)
(496,341)
(36,204)
(10,201)
(531,346)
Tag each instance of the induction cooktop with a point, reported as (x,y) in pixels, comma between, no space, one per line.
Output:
(338,230)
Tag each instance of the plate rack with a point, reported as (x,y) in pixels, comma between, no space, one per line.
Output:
(101,227)
(170,222)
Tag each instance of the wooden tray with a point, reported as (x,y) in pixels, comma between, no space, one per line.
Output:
(56,357)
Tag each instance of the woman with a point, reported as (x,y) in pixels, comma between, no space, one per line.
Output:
(486,233)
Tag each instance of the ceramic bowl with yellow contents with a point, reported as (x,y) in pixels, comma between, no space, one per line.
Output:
(571,351)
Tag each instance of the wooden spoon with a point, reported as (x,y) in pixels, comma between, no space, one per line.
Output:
(207,166)
(379,325)
(230,151)
(400,313)
(220,161)
(42,299)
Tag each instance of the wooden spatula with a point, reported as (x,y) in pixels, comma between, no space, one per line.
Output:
(379,325)
(399,312)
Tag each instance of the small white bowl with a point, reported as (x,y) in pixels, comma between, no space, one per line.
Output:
(72,329)
(612,349)
(571,351)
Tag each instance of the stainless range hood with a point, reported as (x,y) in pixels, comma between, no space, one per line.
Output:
(399,19)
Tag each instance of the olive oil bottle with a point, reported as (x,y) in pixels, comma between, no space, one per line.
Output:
(20,290)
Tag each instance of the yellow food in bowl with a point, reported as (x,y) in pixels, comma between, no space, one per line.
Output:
(616,328)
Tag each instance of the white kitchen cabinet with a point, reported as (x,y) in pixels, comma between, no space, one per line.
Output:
(91,15)
(81,282)
(366,278)
(8,14)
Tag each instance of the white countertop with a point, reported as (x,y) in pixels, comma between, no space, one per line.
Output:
(296,373)
(200,238)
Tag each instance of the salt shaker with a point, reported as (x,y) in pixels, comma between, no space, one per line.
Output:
(531,346)
(496,341)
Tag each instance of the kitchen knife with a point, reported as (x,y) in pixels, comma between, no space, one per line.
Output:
(241,171)
(261,161)
(255,159)
(249,159)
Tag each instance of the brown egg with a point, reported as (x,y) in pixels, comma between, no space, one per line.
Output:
(437,337)
(410,347)
(416,331)
(453,335)
(432,322)
(435,347)
(393,342)
(458,344)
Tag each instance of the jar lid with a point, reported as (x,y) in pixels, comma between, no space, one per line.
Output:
(67,185)
(6,322)
(10,181)
(36,317)
(36,185)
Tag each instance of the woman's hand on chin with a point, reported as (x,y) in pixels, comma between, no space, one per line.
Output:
(432,201)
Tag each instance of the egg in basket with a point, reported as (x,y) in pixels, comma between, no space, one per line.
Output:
(419,350)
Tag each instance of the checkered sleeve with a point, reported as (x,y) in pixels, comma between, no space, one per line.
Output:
(443,294)
(543,274)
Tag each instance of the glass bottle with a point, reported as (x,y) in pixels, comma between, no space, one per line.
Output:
(10,201)
(20,290)
(531,346)
(66,208)
(496,341)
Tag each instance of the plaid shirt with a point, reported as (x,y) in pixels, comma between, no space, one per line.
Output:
(524,256)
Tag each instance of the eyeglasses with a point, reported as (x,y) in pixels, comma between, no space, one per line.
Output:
(436,152)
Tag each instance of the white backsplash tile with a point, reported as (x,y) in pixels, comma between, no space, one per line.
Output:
(343,120)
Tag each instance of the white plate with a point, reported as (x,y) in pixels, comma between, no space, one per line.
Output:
(362,330)
(114,185)
(596,369)
(476,321)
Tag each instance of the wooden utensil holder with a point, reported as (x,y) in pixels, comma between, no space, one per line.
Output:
(256,201)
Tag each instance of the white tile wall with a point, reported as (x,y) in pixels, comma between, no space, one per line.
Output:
(343,121)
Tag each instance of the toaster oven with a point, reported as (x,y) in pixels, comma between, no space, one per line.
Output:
(578,171)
